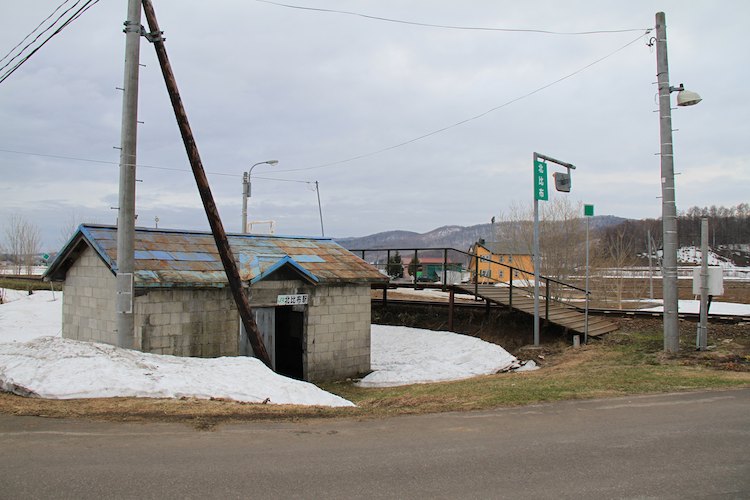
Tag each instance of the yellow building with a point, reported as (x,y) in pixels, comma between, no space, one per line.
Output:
(498,262)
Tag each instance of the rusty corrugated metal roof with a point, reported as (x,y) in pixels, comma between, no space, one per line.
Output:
(165,257)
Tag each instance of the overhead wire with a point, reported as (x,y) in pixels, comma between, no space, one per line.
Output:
(77,14)
(467,120)
(395,146)
(151,167)
(90,3)
(34,30)
(446,26)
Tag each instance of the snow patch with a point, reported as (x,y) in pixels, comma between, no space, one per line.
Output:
(402,356)
(56,368)
(35,361)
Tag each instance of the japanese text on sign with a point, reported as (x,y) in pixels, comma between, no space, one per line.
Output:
(291,300)
(540,181)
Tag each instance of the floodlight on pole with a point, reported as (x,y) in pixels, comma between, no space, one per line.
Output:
(686,97)
(246,190)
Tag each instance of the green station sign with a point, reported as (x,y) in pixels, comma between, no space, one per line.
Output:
(541,191)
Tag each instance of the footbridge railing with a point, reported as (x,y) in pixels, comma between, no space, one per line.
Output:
(442,267)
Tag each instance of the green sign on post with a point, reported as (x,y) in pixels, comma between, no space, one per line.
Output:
(540,181)
(588,210)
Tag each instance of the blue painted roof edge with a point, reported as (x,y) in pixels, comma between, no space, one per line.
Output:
(281,263)
(82,233)
(84,229)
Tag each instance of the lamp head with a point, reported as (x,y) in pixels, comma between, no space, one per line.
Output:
(687,98)
(276,162)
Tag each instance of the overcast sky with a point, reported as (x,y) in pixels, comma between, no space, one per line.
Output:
(309,88)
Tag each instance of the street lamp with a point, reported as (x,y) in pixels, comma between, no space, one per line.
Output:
(246,190)
(668,205)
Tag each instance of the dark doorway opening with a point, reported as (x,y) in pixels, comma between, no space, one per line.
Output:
(290,325)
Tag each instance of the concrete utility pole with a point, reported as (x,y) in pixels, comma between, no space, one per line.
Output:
(126,208)
(668,204)
(212,212)
(702,341)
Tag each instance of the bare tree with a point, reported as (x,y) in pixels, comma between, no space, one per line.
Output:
(561,235)
(31,245)
(22,241)
(3,261)
(68,228)
(617,252)
(562,238)
(13,241)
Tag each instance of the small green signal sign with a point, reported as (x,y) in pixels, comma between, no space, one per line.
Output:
(588,210)
(540,181)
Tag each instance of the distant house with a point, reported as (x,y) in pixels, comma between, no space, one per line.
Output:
(310,297)
(499,262)
(429,268)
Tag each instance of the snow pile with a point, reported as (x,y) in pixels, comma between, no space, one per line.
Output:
(693,255)
(716,308)
(64,369)
(35,361)
(402,356)
(25,317)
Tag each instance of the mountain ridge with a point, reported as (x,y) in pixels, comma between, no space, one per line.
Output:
(449,236)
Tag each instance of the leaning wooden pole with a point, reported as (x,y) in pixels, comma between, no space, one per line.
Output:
(217,228)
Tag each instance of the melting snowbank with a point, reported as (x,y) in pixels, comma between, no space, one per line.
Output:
(34,360)
(402,355)
(58,368)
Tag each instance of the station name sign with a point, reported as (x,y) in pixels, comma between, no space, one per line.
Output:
(291,300)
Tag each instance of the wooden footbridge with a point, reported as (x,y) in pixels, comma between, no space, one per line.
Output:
(552,311)
(515,295)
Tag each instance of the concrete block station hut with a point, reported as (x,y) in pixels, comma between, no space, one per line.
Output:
(310,297)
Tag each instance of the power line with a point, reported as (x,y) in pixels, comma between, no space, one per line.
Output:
(467,120)
(379,151)
(152,167)
(447,26)
(35,29)
(86,6)
(89,3)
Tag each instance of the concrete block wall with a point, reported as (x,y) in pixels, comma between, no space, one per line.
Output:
(264,293)
(88,301)
(186,322)
(338,332)
(205,322)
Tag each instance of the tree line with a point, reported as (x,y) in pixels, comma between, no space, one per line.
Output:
(726,226)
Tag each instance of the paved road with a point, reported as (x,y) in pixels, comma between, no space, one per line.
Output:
(694,445)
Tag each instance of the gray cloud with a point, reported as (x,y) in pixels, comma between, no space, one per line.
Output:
(263,82)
